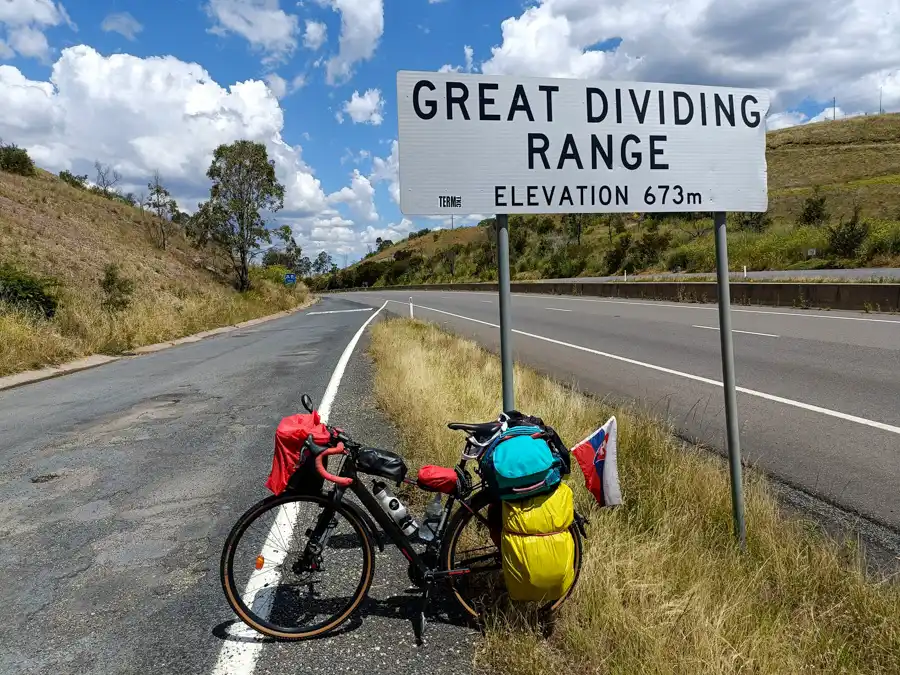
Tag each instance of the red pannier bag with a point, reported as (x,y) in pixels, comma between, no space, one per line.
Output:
(437,479)
(290,436)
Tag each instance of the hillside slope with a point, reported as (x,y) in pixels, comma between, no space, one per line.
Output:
(51,229)
(853,162)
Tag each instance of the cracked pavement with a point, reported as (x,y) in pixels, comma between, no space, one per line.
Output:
(119,484)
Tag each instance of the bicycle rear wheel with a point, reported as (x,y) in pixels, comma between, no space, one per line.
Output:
(296,565)
(468,544)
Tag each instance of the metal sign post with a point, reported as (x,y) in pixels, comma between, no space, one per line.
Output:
(731,417)
(506,363)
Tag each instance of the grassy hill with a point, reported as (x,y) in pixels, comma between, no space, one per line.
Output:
(52,231)
(849,163)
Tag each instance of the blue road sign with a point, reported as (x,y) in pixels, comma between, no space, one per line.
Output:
(290,278)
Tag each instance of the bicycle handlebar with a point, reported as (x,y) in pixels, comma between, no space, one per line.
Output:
(320,466)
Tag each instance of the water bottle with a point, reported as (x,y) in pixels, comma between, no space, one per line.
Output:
(432,520)
(395,508)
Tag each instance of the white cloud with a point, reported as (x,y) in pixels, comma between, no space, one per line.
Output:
(262,23)
(394,231)
(358,196)
(784,120)
(281,87)
(445,222)
(155,113)
(355,157)
(365,109)
(122,23)
(29,42)
(362,24)
(804,49)
(277,84)
(469,54)
(25,22)
(315,35)
(41,12)
(388,170)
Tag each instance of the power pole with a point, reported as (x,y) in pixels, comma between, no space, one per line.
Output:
(880,98)
(834,109)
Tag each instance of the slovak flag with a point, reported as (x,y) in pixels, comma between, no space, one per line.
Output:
(596,456)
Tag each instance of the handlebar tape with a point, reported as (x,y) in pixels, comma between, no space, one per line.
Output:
(320,466)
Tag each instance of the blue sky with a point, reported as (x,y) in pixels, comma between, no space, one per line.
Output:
(316,79)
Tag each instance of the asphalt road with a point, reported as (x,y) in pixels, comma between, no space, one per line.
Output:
(859,274)
(821,404)
(118,486)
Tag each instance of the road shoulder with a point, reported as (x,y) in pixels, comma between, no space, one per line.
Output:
(380,637)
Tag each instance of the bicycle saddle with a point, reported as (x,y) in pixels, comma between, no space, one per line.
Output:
(477,429)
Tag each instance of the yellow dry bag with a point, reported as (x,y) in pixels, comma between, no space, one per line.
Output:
(537,548)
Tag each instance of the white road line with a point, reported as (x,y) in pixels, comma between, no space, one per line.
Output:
(557,309)
(735,330)
(487,302)
(238,657)
(342,311)
(689,305)
(696,378)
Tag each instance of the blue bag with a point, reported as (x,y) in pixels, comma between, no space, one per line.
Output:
(520,463)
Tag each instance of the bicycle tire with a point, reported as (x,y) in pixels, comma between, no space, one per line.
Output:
(456,526)
(234,596)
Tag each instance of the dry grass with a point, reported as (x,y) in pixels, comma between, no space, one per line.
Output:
(429,243)
(52,229)
(853,160)
(663,588)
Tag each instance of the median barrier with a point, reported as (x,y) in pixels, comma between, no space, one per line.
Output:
(850,296)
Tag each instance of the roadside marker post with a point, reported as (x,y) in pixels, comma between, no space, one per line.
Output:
(411,308)
(529,145)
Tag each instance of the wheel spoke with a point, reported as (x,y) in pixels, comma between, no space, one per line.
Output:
(296,591)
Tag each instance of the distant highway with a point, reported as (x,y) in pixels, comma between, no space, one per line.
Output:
(819,406)
(860,274)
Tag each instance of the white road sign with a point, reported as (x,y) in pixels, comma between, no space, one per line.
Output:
(486,144)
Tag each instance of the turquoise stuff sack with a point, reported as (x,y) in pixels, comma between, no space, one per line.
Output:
(520,464)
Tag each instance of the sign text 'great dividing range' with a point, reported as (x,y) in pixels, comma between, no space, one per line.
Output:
(501,144)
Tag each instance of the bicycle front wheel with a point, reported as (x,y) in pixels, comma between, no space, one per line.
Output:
(471,545)
(296,566)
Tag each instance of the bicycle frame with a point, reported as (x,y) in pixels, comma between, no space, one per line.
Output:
(393,531)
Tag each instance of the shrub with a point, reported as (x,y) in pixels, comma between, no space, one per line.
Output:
(27,292)
(117,290)
(16,160)
(647,250)
(753,222)
(273,273)
(814,212)
(883,239)
(615,257)
(74,180)
(845,238)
